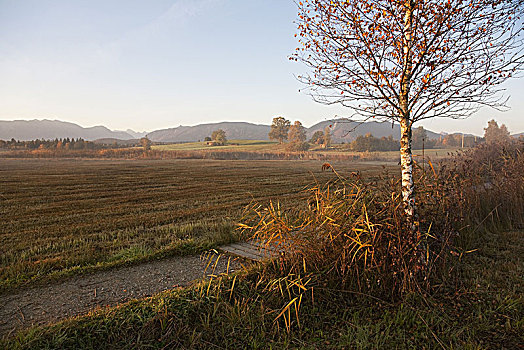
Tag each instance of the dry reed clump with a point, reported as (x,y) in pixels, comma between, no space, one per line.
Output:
(353,235)
(483,189)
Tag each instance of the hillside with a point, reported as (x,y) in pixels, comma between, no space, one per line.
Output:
(343,131)
(234,130)
(51,129)
(112,140)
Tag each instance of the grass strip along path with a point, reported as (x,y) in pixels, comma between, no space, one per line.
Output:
(79,295)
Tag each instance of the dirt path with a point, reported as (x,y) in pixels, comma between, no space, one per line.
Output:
(76,296)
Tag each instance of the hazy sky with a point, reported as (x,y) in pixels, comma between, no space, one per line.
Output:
(156,64)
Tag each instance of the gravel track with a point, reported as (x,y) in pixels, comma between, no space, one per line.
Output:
(79,295)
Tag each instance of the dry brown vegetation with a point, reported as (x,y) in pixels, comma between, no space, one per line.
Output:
(354,236)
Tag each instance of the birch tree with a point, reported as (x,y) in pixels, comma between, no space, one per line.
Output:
(409,60)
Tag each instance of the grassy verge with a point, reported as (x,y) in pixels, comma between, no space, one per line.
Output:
(189,239)
(482,308)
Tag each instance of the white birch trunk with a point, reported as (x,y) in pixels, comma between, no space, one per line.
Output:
(406,163)
(406,157)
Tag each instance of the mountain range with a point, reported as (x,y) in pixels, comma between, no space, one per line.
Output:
(51,129)
(342,131)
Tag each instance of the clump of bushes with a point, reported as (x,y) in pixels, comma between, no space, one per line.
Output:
(353,236)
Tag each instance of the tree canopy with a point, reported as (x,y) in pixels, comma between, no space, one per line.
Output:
(446,58)
(219,136)
(495,134)
(318,137)
(146,143)
(297,132)
(408,60)
(297,137)
(279,129)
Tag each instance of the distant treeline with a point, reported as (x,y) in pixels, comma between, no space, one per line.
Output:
(420,140)
(58,144)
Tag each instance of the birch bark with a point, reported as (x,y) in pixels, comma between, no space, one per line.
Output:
(406,157)
(406,163)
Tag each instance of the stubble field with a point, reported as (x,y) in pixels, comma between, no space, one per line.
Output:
(62,217)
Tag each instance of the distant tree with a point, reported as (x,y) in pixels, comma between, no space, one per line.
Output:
(495,134)
(79,144)
(327,137)
(318,137)
(297,133)
(419,137)
(207,139)
(297,137)
(219,136)
(362,143)
(370,143)
(388,144)
(470,141)
(298,146)
(451,140)
(279,129)
(145,143)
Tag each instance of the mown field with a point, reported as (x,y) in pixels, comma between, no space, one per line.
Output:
(239,145)
(60,216)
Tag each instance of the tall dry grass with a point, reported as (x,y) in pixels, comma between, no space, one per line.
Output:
(353,236)
(485,188)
